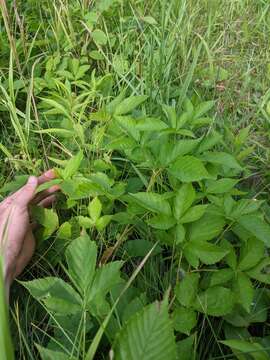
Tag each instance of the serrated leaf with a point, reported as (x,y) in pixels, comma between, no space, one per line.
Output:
(161,222)
(183,200)
(184,320)
(81,257)
(220,186)
(208,253)
(250,254)
(103,221)
(72,166)
(128,104)
(215,301)
(221,158)
(128,124)
(257,227)
(187,288)
(243,290)
(140,247)
(207,227)
(193,214)
(221,276)
(47,218)
(260,272)
(153,202)
(47,354)
(94,209)
(150,124)
(99,37)
(203,108)
(147,335)
(255,350)
(185,348)
(56,295)
(188,168)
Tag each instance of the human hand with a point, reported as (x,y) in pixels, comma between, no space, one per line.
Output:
(17,243)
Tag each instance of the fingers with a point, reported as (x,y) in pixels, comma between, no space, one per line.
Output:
(48,201)
(47,176)
(44,194)
(26,253)
(23,196)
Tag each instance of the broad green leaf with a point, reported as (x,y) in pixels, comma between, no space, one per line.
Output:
(185,348)
(85,222)
(103,221)
(254,350)
(14,185)
(99,37)
(245,207)
(221,158)
(257,227)
(134,306)
(187,288)
(180,234)
(94,209)
(203,108)
(150,124)
(147,335)
(57,296)
(188,168)
(47,218)
(72,166)
(221,276)
(184,320)
(128,104)
(207,227)
(215,301)
(260,271)
(128,124)
(170,113)
(220,186)
(193,214)
(208,253)
(230,258)
(153,202)
(81,257)
(250,254)
(161,222)
(183,200)
(209,142)
(171,151)
(243,290)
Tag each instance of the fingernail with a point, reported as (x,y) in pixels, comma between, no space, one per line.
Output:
(32,180)
(50,174)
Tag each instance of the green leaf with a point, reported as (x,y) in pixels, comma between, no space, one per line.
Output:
(257,227)
(188,168)
(128,124)
(48,184)
(203,108)
(147,335)
(140,247)
(169,152)
(187,288)
(81,257)
(99,37)
(72,166)
(150,124)
(220,186)
(128,104)
(153,202)
(47,354)
(180,233)
(193,214)
(221,276)
(94,209)
(207,227)
(161,222)
(209,142)
(15,185)
(230,258)
(184,320)
(185,348)
(260,272)
(47,218)
(183,200)
(208,253)
(255,350)
(215,301)
(221,158)
(250,254)
(58,296)
(244,291)
(245,207)
(103,221)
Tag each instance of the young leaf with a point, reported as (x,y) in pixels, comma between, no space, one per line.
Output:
(47,218)
(147,335)
(257,227)
(103,221)
(184,320)
(183,200)
(188,168)
(193,214)
(81,257)
(130,103)
(58,296)
(72,166)
(244,291)
(215,301)
(94,209)
(187,288)
(153,202)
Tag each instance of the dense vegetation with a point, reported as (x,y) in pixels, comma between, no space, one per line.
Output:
(156,116)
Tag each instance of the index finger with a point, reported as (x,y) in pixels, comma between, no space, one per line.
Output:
(47,176)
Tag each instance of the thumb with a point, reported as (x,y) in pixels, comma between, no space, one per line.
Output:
(27,192)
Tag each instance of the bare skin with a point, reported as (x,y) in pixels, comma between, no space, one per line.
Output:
(17,242)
